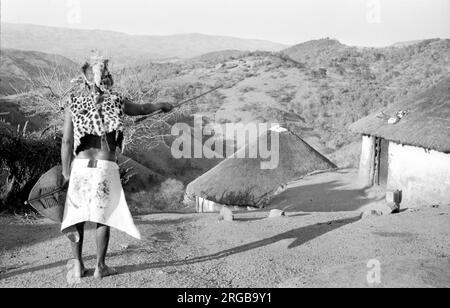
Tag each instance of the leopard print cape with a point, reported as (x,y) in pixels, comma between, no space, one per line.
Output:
(88,117)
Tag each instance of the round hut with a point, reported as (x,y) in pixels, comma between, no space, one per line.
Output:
(247,182)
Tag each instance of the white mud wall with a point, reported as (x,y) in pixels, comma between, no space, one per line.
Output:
(422,175)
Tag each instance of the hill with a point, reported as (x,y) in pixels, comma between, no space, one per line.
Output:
(312,52)
(19,69)
(124,49)
(317,88)
(31,107)
(405,43)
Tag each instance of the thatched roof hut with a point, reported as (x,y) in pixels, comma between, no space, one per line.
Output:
(406,147)
(242,181)
(426,124)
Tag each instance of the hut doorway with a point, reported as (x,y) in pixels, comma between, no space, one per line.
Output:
(381,162)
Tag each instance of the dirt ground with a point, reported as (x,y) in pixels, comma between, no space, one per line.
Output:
(326,245)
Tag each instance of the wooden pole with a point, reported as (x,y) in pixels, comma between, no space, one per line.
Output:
(179,105)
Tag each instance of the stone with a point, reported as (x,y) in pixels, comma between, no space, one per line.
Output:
(371,213)
(276,213)
(380,207)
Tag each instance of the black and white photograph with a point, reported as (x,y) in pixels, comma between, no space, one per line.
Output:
(225,149)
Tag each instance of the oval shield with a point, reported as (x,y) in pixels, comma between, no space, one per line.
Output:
(47,197)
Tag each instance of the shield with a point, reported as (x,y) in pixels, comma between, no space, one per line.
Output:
(47,197)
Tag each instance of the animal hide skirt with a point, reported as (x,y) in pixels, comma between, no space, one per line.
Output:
(95,194)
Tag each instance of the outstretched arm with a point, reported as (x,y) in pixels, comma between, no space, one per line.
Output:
(133,109)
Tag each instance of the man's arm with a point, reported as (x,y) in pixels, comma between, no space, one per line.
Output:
(67,145)
(133,109)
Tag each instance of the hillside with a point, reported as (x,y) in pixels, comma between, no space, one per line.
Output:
(317,88)
(123,48)
(315,51)
(20,69)
(21,108)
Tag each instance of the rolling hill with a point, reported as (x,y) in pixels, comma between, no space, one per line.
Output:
(20,69)
(316,88)
(123,48)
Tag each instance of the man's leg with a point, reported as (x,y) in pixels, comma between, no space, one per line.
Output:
(77,251)
(102,247)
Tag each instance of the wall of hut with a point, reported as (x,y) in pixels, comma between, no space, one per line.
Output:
(423,175)
(366,164)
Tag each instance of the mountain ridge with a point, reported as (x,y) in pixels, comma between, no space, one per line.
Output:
(317,88)
(19,69)
(124,49)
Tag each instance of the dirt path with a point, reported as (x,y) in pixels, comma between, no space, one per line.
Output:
(191,250)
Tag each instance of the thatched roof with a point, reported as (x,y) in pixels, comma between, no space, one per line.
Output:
(242,182)
(427,123)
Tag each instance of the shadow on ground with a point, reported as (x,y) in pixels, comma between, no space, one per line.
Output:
(300,236)
(330,196)
(141,221)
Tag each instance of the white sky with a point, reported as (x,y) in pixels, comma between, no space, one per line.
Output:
(354,22)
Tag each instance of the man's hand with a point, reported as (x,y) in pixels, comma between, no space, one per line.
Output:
(64,182)
(166,107)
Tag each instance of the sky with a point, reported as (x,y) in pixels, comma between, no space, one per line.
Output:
(353,22)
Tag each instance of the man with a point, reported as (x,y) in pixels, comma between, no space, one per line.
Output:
(93,129)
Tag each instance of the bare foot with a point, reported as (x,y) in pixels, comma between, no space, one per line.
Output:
(76,268)
(104,271)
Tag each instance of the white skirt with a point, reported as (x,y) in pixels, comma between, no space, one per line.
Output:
(95,194)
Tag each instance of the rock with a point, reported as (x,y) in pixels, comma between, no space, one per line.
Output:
(226,214)
(276,213)
(393,120)
(381,207)
(371,213)
(127,247)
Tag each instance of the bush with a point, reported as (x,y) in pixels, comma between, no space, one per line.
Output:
(168,196)
(23,159)
(170,193)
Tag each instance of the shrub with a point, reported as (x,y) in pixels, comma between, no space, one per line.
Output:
(165,197)
(23,159)
(169,195)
